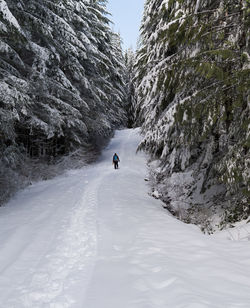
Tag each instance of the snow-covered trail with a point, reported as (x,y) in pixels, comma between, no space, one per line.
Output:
(93,238)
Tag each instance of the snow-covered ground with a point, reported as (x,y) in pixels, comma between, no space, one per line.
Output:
(94,238)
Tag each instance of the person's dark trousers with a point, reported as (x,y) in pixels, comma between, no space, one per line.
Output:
(116,164)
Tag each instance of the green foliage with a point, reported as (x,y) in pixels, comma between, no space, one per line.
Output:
(193,87)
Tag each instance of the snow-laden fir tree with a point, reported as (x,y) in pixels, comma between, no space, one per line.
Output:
(130,85)
(61,80)
(193,104)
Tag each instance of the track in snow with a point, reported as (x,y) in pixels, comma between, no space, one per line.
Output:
(93,238)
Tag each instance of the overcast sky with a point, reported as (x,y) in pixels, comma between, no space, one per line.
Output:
(126,15)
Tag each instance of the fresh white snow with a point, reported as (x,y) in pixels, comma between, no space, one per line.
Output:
(7,15)
(94,238)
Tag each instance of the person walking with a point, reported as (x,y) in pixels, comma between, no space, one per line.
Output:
(116,160)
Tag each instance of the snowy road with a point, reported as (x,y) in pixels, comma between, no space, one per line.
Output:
(93,238)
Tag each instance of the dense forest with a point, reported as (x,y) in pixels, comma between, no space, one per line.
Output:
(66,85)
(192,92)
(62,85)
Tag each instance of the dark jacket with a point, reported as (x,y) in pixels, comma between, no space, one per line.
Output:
(115,158)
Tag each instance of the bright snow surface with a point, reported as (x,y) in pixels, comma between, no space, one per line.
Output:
(94,238)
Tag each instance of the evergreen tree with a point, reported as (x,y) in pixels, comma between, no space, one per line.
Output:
(130,86)
(193,101)
(61,84)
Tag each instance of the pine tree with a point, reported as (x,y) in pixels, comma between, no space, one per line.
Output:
(61,83)
(192,97)
(130,86)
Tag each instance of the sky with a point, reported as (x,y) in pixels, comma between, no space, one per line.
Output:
(126,15)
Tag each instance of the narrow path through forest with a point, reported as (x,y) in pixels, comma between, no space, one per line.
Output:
(94,238)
